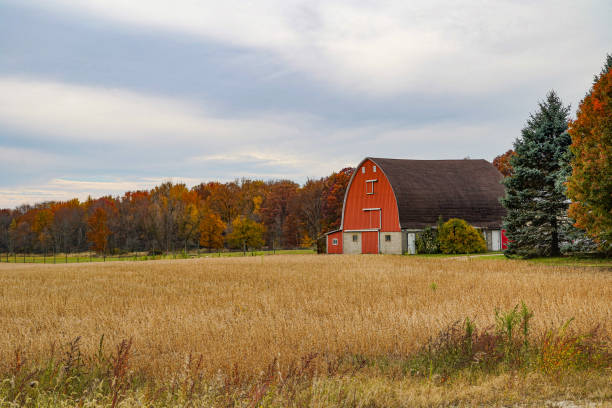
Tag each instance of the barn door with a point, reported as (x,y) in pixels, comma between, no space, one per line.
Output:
(496,240)
(369,242)
(411,243)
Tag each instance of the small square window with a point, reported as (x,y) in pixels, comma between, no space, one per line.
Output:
(370,186)
(388,238)
(355,237)
(363,169)
(374,169)
(335,241)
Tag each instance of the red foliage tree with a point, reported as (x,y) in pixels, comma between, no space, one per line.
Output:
(333,198)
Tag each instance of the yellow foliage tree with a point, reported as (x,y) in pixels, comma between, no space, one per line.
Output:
(246,233)
(458,237)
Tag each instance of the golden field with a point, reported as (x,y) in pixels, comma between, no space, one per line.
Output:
(240,314)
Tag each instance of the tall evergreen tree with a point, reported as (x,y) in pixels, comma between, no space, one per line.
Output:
(535,199)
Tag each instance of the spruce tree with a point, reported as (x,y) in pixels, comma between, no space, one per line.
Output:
(535,201)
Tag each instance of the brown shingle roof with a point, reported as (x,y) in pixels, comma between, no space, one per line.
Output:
(426,189)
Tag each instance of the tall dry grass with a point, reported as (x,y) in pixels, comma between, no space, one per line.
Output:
(240,314)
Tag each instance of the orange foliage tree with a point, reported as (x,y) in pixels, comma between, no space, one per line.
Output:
(98,223)
(502,162)
(98,229)
(590,185)
(211,230)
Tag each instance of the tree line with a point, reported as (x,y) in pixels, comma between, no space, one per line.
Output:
(171,217)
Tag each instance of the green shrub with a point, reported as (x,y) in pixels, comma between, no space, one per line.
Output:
(458,237)
(427,241)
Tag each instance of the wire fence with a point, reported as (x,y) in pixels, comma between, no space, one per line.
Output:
(83,257)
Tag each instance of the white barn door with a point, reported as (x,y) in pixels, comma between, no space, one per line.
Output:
(411,243)
(496,240)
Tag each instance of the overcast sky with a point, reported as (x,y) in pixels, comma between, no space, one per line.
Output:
(100,97)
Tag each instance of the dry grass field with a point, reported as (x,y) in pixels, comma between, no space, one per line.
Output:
(240,315)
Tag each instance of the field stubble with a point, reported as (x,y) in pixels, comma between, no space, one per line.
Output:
(241,314)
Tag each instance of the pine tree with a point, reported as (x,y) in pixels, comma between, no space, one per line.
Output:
(535,199)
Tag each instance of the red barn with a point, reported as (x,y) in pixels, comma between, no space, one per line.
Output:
(388,201)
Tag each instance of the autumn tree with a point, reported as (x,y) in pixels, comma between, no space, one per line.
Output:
(502,163)
(42,226)
(535,200)
(189,217)
(21,229)
(246,233)
(224,199)
(333,198)
(175,217)
(134,216)
(276,210)
(252,195)
(98,222)
(590,184)
(309,210)
(69,226)
(98,230)
(211,230)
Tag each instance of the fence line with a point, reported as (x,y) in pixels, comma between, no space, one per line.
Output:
(87,257)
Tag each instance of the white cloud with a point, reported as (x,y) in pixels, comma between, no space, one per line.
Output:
(61,112)
(25,158)
(114,187)
(82,113)
(386,47)
(259,158)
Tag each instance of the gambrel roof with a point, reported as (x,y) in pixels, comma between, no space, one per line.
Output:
(426,189)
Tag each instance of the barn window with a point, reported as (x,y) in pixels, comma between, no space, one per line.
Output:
(370,186)
(363,169)
(374,169)
(355,237)
(388,238)
(335,241)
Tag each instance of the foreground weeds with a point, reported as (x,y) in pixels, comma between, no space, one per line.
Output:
(462,365)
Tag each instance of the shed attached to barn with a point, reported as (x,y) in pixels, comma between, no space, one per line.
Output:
(388,201)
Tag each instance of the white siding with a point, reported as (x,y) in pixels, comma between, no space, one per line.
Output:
(350,246)
(391,247)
